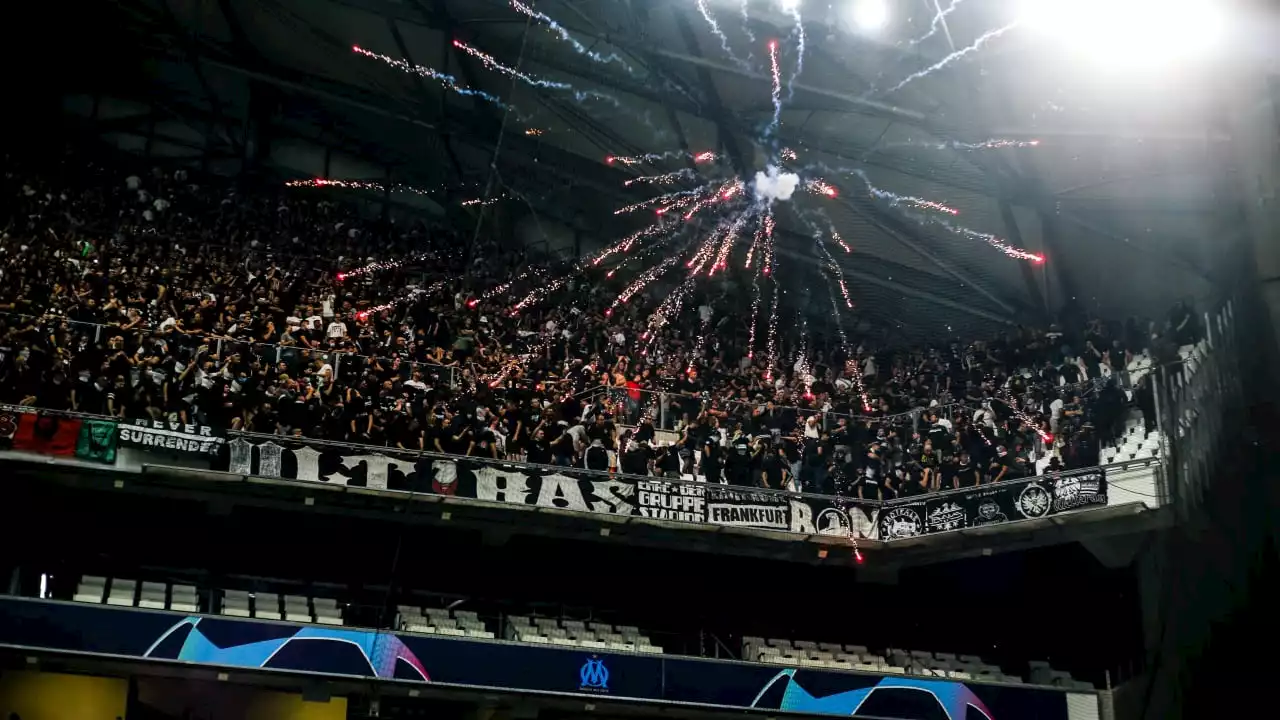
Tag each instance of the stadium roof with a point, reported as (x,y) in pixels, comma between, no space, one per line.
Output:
(1120,192)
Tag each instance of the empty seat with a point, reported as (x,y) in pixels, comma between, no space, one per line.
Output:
(777,642)
(266,606)
(153,595)
(182,598)
(474,633)
(450,631)
(651,649)
(418,625)
(91,589)
(621,646)
(327,611)
(235,603)
(297,609)
(122,592)
(604,629)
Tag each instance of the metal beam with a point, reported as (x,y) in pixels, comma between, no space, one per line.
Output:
(421,90)
(715,106)
(896,229)
(872,279)
(1028,274)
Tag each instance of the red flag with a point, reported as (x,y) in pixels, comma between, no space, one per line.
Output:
(47,435)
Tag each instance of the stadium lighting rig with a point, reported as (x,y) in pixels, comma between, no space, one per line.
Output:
(1120,33)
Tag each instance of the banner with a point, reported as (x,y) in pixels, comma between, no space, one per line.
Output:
(176,437)
(1026,499)
(46,434)
(565,488)
(98,440)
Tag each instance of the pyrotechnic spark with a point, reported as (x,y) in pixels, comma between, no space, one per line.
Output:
(380,266)
(746,22)
(1025,418)
(534,132)
(654,201)
(768,245)
(413,294)
(773,335)
(994,241)
(787,154)
(650,158)
(491,63)
(448,81)
(500,289)
(896,200)
(664,179)
(957,55)
(755,315)
(936,25)
(726,245)
(724,40)
(840,241)
(992,144)
(565,36)
(818,186)
(777,88)
(482,202)
(538,294)
(794,9)
(355,185)
(624,245)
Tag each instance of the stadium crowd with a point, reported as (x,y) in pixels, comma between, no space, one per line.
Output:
(149,294)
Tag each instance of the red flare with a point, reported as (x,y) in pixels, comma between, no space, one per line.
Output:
(342,276)
(857,556)
(362,316)
(472,303)
(608,160)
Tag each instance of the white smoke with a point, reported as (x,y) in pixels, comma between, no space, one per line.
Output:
(772,185)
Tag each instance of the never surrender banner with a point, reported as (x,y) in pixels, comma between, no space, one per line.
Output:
(175,437)
(1026,499)
(565,489)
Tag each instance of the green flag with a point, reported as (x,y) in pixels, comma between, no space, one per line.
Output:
(97,441)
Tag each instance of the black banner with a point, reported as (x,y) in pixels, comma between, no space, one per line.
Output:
(174,437)
(562,488)
(1027,499)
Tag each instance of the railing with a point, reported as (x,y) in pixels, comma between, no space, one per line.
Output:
(274,352)
(1197,399)
(542,486)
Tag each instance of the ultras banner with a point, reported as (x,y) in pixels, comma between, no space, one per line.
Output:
(565,488)
(1027,499)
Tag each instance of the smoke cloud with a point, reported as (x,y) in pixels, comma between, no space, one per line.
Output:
(772,185)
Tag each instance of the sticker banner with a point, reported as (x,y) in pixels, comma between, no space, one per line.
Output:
(1027,499)
(560,488)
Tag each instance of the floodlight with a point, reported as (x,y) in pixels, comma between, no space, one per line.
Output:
(1129,32)
(869,14)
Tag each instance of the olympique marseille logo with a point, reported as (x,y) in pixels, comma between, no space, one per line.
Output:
(594,676)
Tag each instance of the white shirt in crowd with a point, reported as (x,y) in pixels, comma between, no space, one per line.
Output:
(337,329)
(704,313)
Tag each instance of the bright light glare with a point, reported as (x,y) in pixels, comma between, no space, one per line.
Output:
(870,14)
(1130,32)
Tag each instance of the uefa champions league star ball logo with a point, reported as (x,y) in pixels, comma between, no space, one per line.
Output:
(1034,501)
